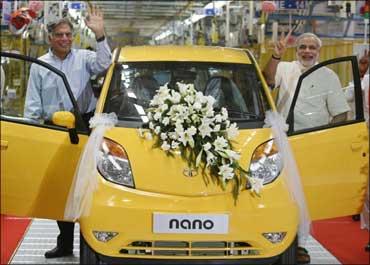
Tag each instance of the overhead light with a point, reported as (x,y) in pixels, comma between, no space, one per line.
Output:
(163,35)
(216,4)
(195,17)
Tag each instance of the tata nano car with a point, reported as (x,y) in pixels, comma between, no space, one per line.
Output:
(154,209)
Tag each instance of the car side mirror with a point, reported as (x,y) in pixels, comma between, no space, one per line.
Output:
(67,119)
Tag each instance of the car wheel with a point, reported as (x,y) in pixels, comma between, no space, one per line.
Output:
(87,255)
(289,256)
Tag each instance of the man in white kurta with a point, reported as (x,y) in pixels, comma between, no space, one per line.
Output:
(321,100)
(320,97)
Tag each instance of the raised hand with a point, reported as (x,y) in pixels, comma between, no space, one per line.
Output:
(95,21)
(281,45)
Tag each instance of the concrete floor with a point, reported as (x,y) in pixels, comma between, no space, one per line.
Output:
(41,236)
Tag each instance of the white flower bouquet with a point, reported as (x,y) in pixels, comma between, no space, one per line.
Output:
(183,121)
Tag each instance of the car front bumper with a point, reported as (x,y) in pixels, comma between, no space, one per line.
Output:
(129,212)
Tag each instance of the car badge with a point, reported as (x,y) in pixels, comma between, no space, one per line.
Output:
(190,172)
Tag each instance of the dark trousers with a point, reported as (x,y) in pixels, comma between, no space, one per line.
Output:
(65,237)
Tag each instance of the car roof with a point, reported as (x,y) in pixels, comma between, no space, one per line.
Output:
(183,53)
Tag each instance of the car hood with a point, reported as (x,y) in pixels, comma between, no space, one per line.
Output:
(154,171)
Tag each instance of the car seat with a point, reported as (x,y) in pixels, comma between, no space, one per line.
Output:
(226,93)
(144,87)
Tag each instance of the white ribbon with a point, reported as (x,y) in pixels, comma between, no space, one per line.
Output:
(292,176)
(85,180)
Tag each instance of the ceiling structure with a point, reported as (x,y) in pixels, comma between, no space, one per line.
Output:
(135,21)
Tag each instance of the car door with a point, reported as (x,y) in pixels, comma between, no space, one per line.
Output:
(332,156)
(38,157)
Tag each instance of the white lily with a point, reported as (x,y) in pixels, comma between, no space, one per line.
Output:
(207,147)
(217,128)
(157,130)
(148,136)
(220,143)
(189,99)
(256,184)
(151,125)
(163,107)
(211,159)
(164,136)
(175,145)
(166,121)
(218,118)
(205,130)
(176,97)
(191,131)
(232,154)
(157,116)
(165,146)
(226,172)
(197,105)
(183,88)
(232,131)
(141,132)
(224,114)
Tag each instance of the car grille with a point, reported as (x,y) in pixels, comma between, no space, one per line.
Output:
(184,248)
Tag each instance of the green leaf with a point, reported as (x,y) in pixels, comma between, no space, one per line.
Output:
(199,157)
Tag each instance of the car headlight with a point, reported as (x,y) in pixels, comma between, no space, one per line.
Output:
(113,163)
(266,162)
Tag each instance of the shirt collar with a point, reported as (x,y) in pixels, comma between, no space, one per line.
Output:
(52,55)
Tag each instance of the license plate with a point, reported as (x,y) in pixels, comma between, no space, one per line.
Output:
(190,223)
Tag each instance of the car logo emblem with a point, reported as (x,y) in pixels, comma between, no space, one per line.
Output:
(190,172)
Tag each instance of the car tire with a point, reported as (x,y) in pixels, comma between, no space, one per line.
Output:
(87,255)
(289,256)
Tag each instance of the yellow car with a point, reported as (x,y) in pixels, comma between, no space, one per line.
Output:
(151,208)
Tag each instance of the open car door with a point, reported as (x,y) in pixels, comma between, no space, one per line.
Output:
(330,138)
(38,157)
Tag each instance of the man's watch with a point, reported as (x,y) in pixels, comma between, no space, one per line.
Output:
(101,38)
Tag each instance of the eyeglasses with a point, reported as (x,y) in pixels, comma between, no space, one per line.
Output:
(60,35)
(310,47)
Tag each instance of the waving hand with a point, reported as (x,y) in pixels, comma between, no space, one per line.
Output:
(95,21)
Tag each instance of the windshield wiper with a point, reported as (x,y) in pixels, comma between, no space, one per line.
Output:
(243,114)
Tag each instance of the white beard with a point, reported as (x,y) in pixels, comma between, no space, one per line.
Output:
(306,64)
(303,67)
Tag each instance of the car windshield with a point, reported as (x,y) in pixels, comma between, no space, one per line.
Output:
(234,86)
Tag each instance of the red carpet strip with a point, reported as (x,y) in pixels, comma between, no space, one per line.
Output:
(344,238)
(12,232)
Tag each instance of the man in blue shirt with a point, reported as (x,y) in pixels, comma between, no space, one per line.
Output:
(45,93)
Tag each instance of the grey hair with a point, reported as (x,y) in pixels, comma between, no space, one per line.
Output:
(309,35)
(52,25)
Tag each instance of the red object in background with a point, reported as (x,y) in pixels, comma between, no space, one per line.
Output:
(12,231)
(291,40)
(268,6)
(22,17)
(365,10)
(343,238)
